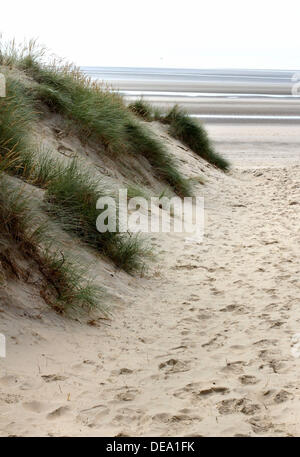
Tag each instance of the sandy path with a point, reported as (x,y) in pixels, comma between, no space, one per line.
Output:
(201,346)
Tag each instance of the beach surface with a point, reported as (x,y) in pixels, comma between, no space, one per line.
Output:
(204,343)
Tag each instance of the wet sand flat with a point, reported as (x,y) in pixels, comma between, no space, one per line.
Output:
(257,144)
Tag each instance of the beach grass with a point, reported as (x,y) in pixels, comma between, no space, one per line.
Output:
(21,232)
(73,292)
(72,198)
(182,127)
(43,168)
(142,109)
(192,134)
(141,140)
(16,117)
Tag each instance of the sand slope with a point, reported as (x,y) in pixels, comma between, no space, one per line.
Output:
(201,345)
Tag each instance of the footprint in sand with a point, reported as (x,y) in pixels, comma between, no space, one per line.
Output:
(125,371)
(215,343)
(260,425)
(174,366)
(239,309)
(272,360)
(212,390)
(216,291)
(58,412)
(122,371)
(185,267)
(126,416)
(197,391)
(241,405)
(93,416)
(248,380)
(266,342)
(128,394)
(204,314)
(236,367)
(283,396)
(53,378)
(173,418)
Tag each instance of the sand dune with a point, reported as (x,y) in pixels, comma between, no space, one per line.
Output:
(201,345)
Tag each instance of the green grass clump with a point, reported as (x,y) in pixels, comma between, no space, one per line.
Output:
(73,196)
(102,115)
(22,233)
(97,112)
(18,156)
(15,218)
(191,133)
(140,140)
(43,169)
(142,109)
(16,117)
(73,292)
(52,98)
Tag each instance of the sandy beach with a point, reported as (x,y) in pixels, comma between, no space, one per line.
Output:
(202,344)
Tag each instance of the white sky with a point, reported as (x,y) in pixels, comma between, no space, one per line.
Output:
(165,33)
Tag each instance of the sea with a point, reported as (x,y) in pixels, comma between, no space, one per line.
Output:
(274,94)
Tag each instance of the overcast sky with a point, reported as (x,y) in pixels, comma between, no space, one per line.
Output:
(165,33)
